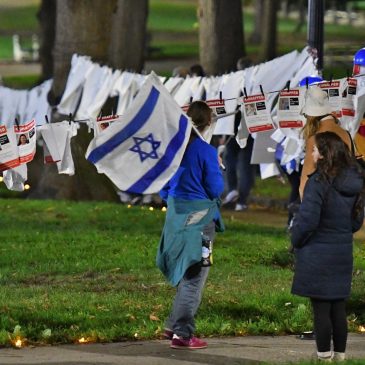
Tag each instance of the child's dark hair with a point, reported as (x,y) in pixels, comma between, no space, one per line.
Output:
(200,113)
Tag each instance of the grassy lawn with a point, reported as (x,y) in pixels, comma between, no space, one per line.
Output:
(72,270)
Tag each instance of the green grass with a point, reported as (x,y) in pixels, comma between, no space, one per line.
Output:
(19,19)
(21,82)
(72,270)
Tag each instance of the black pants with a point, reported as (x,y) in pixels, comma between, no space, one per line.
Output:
(330,322)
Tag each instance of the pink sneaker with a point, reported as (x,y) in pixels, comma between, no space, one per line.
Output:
(193,343)
(167,334)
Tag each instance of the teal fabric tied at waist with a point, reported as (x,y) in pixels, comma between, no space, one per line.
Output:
(181,239)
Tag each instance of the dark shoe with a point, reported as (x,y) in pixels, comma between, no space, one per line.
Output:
(167,335)
(193,343)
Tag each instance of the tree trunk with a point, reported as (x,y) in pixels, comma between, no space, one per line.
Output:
(128,41)
(221,41)
(256,34)
(82,27)
(47,21)
(269,30)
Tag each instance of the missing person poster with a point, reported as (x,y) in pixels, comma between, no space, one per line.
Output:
(104,122)
(257,115)
(332,88)
(17,145)
(290,104)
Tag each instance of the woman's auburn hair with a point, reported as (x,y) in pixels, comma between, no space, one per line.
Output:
(200,113)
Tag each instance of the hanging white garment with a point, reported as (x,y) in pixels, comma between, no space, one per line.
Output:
(15,178)
(102,93)
(93,83)
(212,86)
(231,89)
(57,137)
(359,104)
(173,84)
(42,106)
(186,90)
(81,66)
(9,100)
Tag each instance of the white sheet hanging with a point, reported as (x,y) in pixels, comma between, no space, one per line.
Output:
(81,66)
(15,178)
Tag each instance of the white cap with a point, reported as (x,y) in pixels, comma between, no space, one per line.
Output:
(316,102)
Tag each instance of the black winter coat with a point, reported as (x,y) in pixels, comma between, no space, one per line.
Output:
(322,236)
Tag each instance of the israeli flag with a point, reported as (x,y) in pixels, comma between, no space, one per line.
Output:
(143,149)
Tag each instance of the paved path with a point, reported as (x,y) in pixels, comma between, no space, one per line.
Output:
(221,351)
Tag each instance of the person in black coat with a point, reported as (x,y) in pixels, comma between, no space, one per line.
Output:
(322,234)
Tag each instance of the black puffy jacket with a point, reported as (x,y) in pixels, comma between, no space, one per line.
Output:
(322,236)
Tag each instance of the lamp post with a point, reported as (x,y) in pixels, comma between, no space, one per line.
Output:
(315,30)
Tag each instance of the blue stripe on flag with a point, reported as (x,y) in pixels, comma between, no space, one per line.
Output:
(129,130)
(172,148)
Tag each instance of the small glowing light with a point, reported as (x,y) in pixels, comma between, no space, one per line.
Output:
(1,179)
(18,343)
(361,328)
(129,206)
(136,335)
(164,209)
(82,340)
(150,208)
(26,187)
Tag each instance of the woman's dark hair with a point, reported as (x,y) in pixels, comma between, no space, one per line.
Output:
(336,154)
(336,157)
(200,114)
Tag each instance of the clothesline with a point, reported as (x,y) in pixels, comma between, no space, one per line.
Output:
(286,87)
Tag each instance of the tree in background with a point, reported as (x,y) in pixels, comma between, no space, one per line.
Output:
(256,35)
(128,41)
(47,20)
(269,30)
(221,40)
(82,27)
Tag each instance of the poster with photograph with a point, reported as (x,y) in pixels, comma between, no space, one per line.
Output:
(17,145)
(257,115)
(26,141)
(290,104)
(9,157)
(104,122)
(217,106)
(333,88)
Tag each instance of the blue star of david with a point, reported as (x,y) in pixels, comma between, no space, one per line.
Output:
(143,155)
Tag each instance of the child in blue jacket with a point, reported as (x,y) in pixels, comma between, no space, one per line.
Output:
(192,197)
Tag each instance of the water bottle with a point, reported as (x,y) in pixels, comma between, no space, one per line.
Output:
(207,248)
